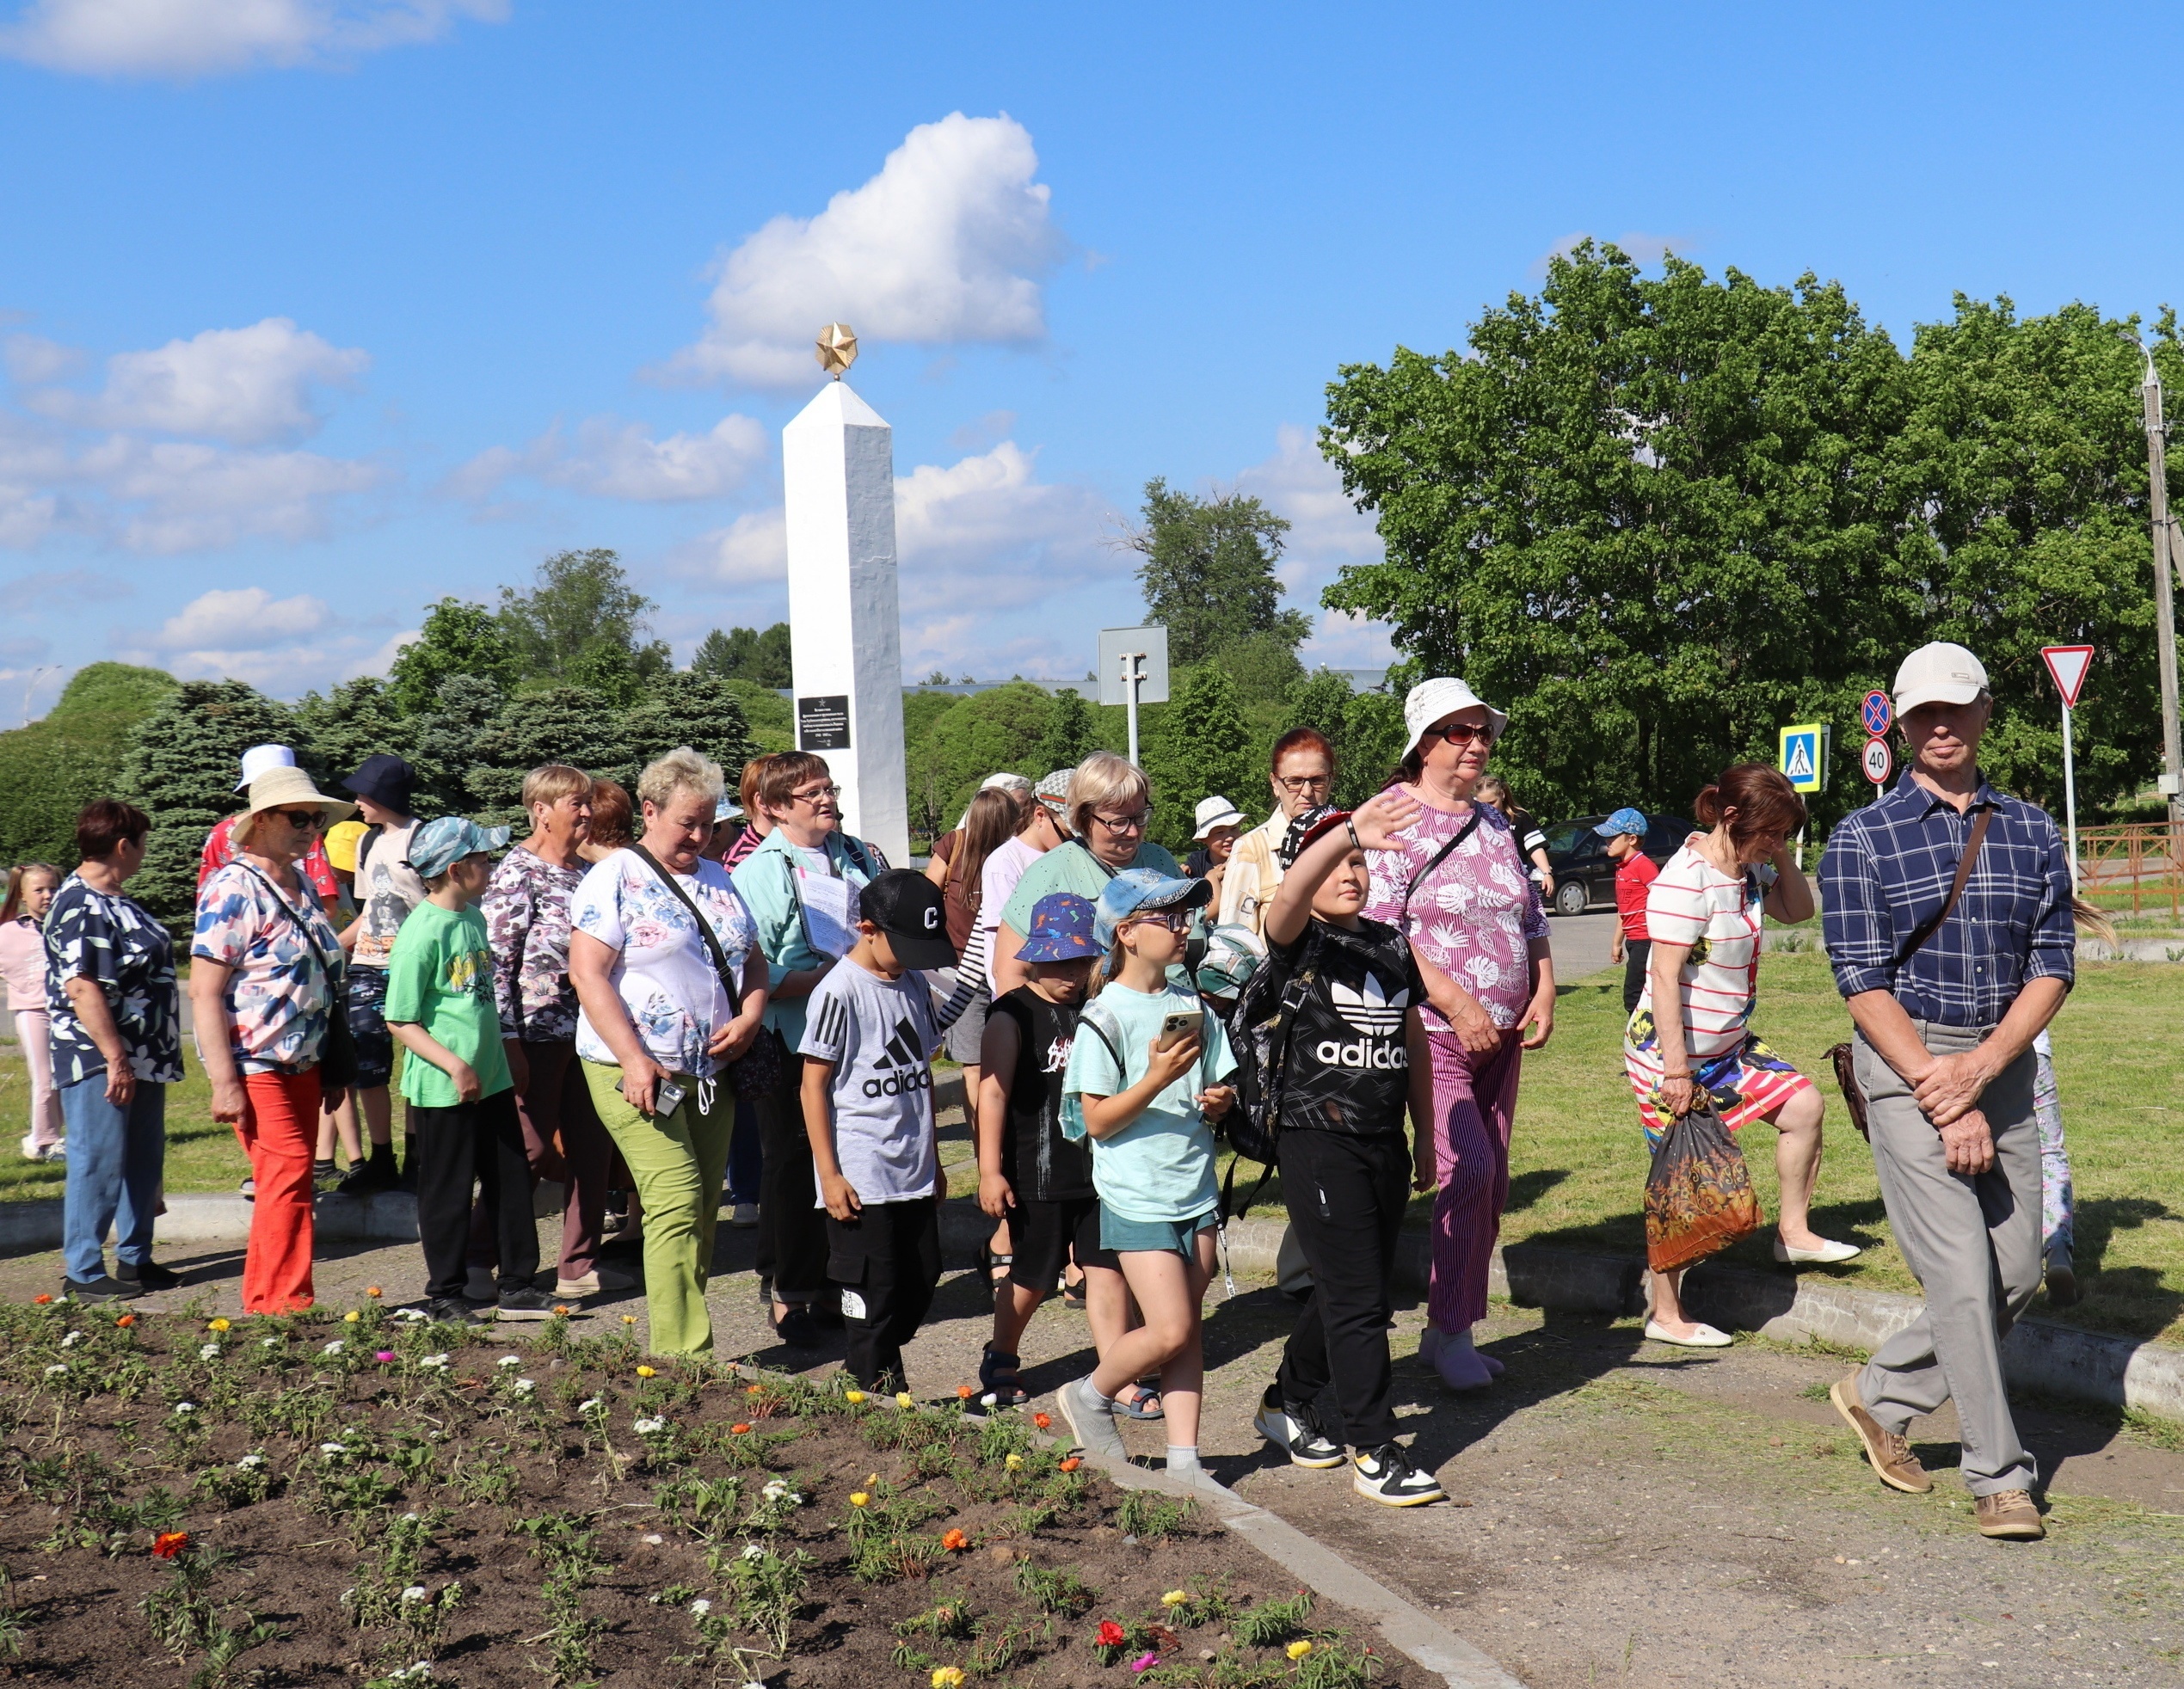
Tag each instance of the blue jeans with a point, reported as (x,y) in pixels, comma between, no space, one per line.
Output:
(116,1158)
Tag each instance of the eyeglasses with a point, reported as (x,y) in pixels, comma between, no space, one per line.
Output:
(814,793)
(1176,920)
(1459,732)
(1125,823)
(1303,783)
(303,820)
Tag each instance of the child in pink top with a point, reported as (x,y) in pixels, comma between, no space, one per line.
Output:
(22,966)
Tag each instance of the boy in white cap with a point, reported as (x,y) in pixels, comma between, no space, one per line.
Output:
(219,847)
(1949,982)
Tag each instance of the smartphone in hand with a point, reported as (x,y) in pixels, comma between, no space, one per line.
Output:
(1179,1025)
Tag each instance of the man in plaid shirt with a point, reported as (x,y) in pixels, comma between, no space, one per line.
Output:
(1944,1055)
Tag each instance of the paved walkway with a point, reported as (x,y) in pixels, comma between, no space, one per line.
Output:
(1625,1513)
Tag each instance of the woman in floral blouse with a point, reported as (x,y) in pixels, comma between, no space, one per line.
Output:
(115,1017)
(266,967)
(526,916)
(1457,888)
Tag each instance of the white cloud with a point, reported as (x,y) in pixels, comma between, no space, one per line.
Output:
(182,495)
(284,645)
(611,459)
(33,358)
(245,618)
(247,386)
(986,529)
(181,38)
(753,550)
(950,242)
(1642,247)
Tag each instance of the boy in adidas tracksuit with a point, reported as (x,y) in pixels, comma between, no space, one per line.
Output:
(1354,1062)
(869,1037)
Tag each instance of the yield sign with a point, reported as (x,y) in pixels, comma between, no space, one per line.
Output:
(2067,664)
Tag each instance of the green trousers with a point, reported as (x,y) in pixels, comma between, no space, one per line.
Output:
(678,1161)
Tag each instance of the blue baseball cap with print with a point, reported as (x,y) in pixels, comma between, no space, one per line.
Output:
(436,845)
(1140,891)
(1061,930)
(1626,820)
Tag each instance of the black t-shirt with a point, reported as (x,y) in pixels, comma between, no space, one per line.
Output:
(1348,1067)
(1041,1164)
(1528,835)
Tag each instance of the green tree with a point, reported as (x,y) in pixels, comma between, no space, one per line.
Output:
(772,724)
(445,743)
(746,653)
(1208,573)
(993,732)
(1366,729)
(685,708)
(1263,667)
(583,624)
(1652,519)
(51,769)
(353,721)
(1201,745)
(458,638)
(181,770)
(1071,735)
(554,724)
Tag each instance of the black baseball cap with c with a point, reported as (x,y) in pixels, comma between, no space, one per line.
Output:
(906,906)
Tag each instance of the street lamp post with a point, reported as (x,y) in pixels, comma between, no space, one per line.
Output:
(2164,606)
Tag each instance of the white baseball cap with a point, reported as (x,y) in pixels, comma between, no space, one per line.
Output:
(260,758)
(1432,700)
(1938,673)
(1217,811)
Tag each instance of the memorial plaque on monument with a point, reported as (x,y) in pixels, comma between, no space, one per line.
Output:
(822,723)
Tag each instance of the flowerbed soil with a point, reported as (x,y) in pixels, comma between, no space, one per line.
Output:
(377,1500)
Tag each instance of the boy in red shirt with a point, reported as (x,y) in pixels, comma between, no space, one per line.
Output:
(1625,832)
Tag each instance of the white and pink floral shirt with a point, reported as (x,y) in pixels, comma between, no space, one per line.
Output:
(1474,917)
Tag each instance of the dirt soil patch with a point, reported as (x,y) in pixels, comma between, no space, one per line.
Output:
(368,1498)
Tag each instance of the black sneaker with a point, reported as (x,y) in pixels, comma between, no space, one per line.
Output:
(451,1309)
(376,1173)
(826,1313)
(1386,1475)
(150,1274)
(798,1329)
(1294,1426)
(104,1288)
(524,1303)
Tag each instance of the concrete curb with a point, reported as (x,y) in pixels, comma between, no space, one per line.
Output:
(26,1228)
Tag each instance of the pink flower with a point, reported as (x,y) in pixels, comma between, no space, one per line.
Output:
(1145,1662)
(384,1354)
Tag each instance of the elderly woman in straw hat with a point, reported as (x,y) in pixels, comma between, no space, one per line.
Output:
(265,982)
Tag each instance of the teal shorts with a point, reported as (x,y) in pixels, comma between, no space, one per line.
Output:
(1176,1236)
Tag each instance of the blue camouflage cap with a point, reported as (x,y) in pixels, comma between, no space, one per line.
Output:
(436,845)
(1626,820)
(1061,930)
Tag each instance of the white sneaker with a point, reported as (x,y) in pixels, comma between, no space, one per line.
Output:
(1386,1475)
(1826,1255)
(744,1214)
(1700,1335)
(30,1149)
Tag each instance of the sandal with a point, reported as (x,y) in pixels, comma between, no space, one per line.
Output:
(1139,1401)
(1072,1295)
(997,1378)
(997,1266)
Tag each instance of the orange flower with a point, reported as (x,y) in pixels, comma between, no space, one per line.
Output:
(42,1300)
(1072,1463)
(125,1321)
(955,1542)
(737,1430)
(169,1543)
(754,1390)
(373,1290)
(964,1392)
(1042,1420)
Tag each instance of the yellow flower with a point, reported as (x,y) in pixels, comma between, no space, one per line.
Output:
(647,1371)
(1298,1650)
(629,1319)
(858,1498)
(351,1317)
(219,1325)
(947,1677)
(1015,1463)
(853,1395)
(1175,1597)
(903,1399)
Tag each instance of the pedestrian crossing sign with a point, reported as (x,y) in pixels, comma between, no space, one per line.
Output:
(1805,756)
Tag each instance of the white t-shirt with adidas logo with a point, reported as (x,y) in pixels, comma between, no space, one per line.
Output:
(880,1034)
(1348,1070)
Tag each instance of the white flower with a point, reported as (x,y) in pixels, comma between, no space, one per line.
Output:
(333,1448)
(653,1537)
(775,1489)
(434,1363)
(268,1343)
(185,1407)
(55,1368)
(412,1314)
(645,1427)
(249,1461)
(208,1351)
(334,1347)
(524,1386)
(72,1339)
(591,1406)
(511,1360)
(988,1399)
(415,1592)
(753,1552)
(701,1607)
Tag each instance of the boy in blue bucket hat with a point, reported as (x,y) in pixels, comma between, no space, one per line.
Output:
(1635,872)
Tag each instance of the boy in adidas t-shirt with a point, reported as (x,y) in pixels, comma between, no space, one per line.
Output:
(1356,1061)
(869,1033)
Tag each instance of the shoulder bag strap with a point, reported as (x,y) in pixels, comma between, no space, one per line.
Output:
(1096,861)
(1934,922)
(704,927)
(1439,856)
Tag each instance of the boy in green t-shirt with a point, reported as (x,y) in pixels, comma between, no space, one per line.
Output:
(462,1098)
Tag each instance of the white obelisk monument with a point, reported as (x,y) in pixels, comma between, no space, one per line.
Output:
(845,622)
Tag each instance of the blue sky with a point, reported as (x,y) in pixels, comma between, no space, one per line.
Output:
(313,311)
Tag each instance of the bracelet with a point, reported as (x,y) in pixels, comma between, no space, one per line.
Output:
(1682,1073)
(1355,843)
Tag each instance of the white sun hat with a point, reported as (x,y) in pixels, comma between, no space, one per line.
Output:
(260,758)
(1217,811)
(1430,701)
(1938,673)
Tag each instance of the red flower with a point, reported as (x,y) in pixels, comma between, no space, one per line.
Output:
(1042,1420)
(1112,1634)
(42,1301)
(169,1543)
(737,1430)
(125,1321)
(1072,1463)
(955,1542)
(964,1391)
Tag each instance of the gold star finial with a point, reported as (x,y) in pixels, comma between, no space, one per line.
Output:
(837,348)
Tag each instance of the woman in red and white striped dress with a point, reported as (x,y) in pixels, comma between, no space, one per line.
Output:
(1703,916)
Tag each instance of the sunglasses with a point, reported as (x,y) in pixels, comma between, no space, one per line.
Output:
(1460,733)
(1176,920)
(303,820)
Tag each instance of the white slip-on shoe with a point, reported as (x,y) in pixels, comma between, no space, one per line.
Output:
(1827,1255)
(1702,1335)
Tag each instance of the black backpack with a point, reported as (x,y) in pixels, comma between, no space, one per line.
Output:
(1258,1036)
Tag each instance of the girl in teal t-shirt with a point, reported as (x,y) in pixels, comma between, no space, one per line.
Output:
(1145,1107)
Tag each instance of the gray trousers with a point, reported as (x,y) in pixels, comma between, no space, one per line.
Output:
(1974,1244)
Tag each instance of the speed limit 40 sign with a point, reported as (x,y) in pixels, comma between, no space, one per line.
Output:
(1877,762)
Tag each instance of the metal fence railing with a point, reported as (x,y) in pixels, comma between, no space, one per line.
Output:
(2140,864)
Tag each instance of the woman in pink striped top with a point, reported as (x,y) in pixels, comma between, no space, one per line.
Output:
(1703,917)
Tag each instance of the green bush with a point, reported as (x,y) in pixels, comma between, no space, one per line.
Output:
(51,769)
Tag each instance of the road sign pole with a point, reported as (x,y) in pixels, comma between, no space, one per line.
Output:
(1132,677)
(2164,611)
(2069,798)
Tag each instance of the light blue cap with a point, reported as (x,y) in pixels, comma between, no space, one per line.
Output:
(1135,890)
(1626,820)
(437,845)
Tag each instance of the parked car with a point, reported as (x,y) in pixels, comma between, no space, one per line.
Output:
(1583,878)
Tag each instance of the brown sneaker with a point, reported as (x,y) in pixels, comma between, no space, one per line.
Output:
(1889,1454)
(2011,1514)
